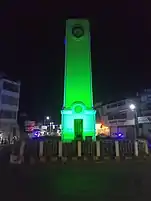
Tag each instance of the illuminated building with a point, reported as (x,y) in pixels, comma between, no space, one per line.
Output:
(29,126)
(118,116)
(9,106)
(78,115)
(102,129)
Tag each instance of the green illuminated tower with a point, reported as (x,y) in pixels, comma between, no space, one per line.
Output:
(78,115)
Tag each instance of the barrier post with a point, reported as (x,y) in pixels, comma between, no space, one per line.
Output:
(41,151)
(21,152)
(136,148)
(98,153)
(146,148)
(117,151)
(79,148)
(74,151)
(60,149)
(41,146)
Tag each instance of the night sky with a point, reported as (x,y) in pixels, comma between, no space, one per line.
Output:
(32,51)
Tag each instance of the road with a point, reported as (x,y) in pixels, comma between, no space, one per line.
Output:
(77,181)
(129,180)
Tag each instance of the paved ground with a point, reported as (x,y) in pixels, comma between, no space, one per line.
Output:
(125,181)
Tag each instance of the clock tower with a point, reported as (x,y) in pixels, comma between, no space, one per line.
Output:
(78,115)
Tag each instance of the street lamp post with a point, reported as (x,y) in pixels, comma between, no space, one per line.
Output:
(51,124)
(134,109)
(47,120)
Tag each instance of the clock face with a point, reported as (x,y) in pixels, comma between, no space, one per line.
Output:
(77,31)
(78,109)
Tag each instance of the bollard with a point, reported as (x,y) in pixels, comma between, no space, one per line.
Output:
(18,159)
(41,151)
(79,148)
(117,152)
(98,153)
(146,148)
(54,150)
(136,148)
(15,155)
(74,151)
(21,152)
(41,146)
(60,149)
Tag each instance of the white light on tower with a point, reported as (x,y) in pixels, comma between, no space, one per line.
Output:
(132,107)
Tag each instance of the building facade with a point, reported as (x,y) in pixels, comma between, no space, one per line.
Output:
(9,106)
(145,113)
(118,116)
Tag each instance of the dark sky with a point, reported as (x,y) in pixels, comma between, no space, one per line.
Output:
(32,51)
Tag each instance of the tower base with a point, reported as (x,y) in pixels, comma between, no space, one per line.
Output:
(78,125)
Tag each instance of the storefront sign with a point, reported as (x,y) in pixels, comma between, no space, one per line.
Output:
(142,120)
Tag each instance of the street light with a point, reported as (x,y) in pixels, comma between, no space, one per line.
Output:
(134,109)
(47,117)
(47,120)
